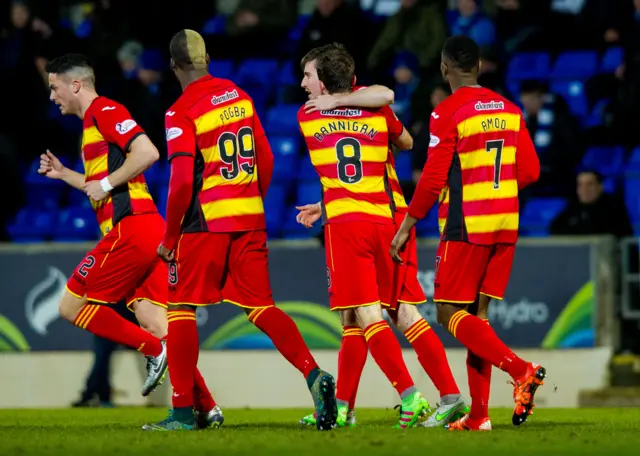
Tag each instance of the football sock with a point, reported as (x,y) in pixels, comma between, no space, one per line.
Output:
(432,357)
(478,337)
(479,374)
(386,351)
(105,322)
(286,337)
(182,356)
(351,360)
(203,400)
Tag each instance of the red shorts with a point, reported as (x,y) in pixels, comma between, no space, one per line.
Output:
(410,289)
(212,267)
(359,270)
(124,264)
(463,270)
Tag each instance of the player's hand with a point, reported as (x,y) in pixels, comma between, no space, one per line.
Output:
(322,103)
(397,245)
(93,189)
(50,166)
(308,214)
(166,254)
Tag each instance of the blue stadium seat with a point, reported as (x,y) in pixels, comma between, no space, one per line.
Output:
(216,25)
(293,230)
(610,185)
(274,209)
(612,59)
(632,199)
(287,75)
(76,224)
(538,214)
(308,192)
(306,170)
(574,94)
(633,164)
(575,65)
(607,160)
(157,176)
(428,226)
(529,65)
(163,194)
(286,151)
(597,116)
(222,68)
(257,72)
(283,119)
(296,32)
(404,168)
(42,192)
(32,225)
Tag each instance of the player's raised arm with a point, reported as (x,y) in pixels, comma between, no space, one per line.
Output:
(53,168)
(527,162)
(181,145)
(374,96)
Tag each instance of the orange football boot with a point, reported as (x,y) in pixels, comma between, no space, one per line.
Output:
(524,389)
(470,424)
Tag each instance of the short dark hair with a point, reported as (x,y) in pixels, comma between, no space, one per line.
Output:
(66,63)
(463,52)
(336,67)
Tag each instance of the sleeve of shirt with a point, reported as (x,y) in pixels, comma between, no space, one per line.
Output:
(117,126)
(527,162)
(393,123)
(180,134)
(264,157)
(179,198)
(442,145)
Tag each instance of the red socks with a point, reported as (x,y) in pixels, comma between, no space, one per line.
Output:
(105,322)
(351,360)
(479,374)
(386,350)
(182,355)
(478,337)
(203,400)
(432,357)
(286,337)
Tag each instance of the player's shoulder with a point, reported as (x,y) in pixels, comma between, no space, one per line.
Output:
(103,106)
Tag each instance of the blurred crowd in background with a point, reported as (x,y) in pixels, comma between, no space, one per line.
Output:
(573,66)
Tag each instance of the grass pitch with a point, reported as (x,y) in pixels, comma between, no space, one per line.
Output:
(276,432)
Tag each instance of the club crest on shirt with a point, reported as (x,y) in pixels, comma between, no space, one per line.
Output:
(125,126)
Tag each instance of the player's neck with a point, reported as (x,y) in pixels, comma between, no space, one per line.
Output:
(85,101)
(464,82)
(192,76)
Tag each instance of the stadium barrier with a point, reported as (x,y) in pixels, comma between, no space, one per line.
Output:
(558,310)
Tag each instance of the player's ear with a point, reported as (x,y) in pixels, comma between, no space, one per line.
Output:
(207,59)
(75,86)
(172,64)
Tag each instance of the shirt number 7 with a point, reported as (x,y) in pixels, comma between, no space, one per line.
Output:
(496,145)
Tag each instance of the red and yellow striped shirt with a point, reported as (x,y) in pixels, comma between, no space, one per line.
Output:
(475,134)
(108,131)
(215,122)
(349,148)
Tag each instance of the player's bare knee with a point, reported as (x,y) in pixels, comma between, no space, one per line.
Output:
(368,315)
(393,316)
(348,318)
(152,318)
(483,306)
(445,312)
(70,306)
(408,315)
